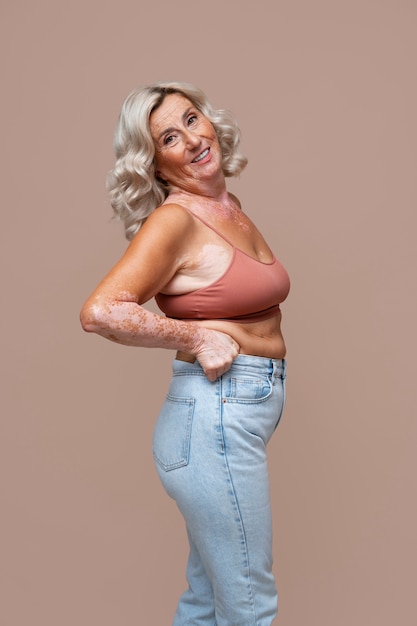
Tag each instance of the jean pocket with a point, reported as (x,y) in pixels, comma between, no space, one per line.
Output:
(248,389)
(172,434)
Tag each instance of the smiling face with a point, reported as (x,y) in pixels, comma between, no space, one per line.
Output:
(187,150)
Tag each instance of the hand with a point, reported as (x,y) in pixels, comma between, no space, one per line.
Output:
(216,353)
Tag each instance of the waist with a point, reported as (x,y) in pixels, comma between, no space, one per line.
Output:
(242,363)
(262,339)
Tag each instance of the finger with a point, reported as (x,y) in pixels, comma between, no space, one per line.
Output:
(212,377)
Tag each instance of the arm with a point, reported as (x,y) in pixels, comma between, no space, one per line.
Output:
(114,309)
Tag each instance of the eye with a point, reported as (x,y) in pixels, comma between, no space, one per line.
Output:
(191,119)
(168,139)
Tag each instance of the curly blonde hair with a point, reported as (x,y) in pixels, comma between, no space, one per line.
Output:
(135,191)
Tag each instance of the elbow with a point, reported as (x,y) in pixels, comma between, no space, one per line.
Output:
(89,319)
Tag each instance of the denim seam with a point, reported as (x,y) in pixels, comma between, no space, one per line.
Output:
(189,373)
(236,504)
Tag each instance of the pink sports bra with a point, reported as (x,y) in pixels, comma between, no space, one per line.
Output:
(248,291)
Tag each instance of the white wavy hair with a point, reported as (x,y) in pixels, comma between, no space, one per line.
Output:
(135,191)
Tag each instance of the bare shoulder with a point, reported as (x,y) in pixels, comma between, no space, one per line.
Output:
(166,229)
(152,258)
(168,216)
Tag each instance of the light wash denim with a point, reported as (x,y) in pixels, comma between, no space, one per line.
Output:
(209,448)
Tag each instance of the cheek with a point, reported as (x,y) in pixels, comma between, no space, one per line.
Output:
(167,162)
(213,136)
(162,159)
(209,130)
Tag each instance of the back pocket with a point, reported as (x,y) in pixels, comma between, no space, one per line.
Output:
(172,434)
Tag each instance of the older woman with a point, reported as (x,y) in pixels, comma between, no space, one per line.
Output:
(219,286)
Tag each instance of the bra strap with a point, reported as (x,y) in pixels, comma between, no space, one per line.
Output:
(203,221)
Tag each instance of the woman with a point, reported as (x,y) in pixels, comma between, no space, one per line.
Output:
(220,286)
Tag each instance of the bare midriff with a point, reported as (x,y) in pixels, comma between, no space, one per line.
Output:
(258,338)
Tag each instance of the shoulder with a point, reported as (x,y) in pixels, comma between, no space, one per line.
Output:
(171,219)
(156,252)
(165,230)
(174,215)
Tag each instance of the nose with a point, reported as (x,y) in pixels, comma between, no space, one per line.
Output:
(192,140)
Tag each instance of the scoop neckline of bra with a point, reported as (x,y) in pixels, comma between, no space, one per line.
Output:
(234,248)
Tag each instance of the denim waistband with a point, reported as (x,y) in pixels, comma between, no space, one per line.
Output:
(243,362)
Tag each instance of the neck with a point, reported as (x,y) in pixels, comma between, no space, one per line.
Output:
(212,195)
(213,186)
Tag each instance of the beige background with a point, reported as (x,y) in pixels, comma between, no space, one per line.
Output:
(325,94)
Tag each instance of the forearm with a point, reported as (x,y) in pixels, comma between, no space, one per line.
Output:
(130,324)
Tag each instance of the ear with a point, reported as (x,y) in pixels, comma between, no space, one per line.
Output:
(158,173)
(160,178)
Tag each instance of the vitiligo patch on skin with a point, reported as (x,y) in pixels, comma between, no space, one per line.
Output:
(225,210)
(228,211)
(208,266)
(126,322)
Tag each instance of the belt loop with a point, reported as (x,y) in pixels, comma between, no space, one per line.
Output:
(279,368)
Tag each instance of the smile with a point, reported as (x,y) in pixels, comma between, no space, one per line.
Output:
(201,156)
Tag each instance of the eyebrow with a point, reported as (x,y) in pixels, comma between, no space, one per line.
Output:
(172,128)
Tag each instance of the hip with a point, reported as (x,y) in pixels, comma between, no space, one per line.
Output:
(239,411)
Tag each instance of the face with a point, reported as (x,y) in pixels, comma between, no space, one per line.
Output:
(187,151)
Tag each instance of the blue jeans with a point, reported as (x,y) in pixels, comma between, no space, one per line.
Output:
(209,448)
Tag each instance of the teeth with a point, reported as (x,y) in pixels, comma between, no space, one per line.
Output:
(201,156)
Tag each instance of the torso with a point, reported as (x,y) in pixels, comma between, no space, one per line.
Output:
(259,339)
(207,256)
